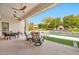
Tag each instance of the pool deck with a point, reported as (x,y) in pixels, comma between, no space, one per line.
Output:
(22,47)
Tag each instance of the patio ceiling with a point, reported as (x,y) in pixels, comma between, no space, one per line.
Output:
(32,9)
(38,9)
(6,11)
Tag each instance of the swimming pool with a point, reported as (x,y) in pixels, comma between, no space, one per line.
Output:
(64,33)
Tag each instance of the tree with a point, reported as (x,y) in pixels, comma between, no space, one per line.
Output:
(42,26)
(32,26)
(55,23)
(51,23)
(71,21)
(47,20)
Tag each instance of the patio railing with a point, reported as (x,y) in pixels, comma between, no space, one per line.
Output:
(75,40)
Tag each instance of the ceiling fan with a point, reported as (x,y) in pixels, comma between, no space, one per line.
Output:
(18,18)
(21,9)
(15,16)
(18,9)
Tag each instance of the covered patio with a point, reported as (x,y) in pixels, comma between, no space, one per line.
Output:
(21,47)
(16,17)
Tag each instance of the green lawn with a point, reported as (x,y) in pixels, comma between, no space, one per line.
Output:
(62,41)
(74,30)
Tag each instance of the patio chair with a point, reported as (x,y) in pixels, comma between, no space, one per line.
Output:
(6,35)
(37,39)
(27,37)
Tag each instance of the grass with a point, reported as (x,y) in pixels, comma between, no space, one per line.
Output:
(74,30)
(61,41)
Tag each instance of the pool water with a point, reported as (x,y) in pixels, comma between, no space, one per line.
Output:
(64,33)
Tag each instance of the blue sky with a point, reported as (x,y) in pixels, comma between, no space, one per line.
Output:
(61,10)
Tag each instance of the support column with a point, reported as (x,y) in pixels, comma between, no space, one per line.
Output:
(75,44)
(26,28)
(24,25)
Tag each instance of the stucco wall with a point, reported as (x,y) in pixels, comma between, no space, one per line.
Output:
(14,25)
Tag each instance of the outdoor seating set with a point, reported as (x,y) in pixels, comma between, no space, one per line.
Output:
(35,37)
(8,35)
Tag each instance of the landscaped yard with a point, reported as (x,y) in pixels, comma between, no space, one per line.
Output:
(74,30)
(62,41)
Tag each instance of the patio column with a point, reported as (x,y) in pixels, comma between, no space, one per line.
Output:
(75,44)
(26,28)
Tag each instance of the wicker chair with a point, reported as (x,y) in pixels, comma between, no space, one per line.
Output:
(37,39)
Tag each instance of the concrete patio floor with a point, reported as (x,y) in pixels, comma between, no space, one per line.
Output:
(22,47)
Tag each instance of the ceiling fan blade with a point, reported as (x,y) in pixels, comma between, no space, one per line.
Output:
(15,8)
(15,16)
(24,7)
